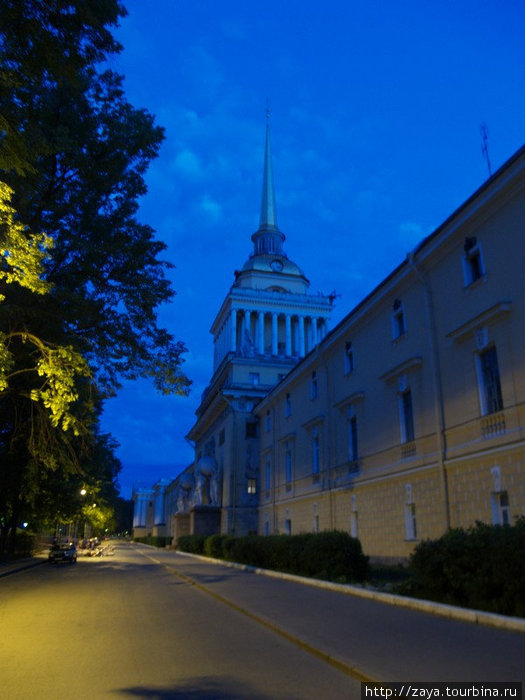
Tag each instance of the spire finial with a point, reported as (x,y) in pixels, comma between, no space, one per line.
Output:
(268,217)
(268,240)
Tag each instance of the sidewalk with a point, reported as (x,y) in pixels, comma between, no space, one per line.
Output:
(14,565)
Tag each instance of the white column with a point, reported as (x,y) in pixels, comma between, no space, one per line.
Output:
(315,332)
(233,330)
(261,333)
(274,334)
(288,348)
(301,336)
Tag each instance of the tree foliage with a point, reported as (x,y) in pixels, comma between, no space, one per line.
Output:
(74,323)
(83,150)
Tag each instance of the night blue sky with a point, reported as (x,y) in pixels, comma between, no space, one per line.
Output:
(376,113)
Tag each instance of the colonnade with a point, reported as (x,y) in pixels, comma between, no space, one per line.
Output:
(257,332)
(142,499)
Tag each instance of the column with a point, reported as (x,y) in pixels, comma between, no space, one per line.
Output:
(288,327)
(274,334)
(260,333)
(301,336)
(233,330)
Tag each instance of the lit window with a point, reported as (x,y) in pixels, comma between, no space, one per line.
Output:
(398,320)
(252,486)
(288,405)
(406,416)
(313,386)
(473,268)
(349,358)
(489,381)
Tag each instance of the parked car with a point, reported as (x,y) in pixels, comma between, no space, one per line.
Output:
(63,553)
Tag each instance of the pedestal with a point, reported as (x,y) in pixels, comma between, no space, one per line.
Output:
(205,520)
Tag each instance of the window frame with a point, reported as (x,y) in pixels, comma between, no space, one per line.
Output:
(489,404)
(406,417)
(473,262)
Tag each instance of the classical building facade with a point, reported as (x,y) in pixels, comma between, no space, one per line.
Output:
(267,322)
(409,418)
(406,419)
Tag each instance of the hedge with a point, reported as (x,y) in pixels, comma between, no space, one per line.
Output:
(482,567)
(331,555)
(155,540)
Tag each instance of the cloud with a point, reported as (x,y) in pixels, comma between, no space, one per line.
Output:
(211,208)
(188,164)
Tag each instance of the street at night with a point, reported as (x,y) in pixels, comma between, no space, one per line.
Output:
(150,623)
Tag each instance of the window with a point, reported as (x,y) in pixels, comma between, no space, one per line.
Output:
(313,386)
(352,435)
(489,382)
(288,462)
(252,486)
(316,524)
(349,358)
(287,526)
(268,422)
(398,320)
(221,437)
(500,508)
(288,405)
(267,473)
(473,268)
(254,378)
(406,416)
(410,514)
(410,521)
(354,526)
(315,452)
(251,429)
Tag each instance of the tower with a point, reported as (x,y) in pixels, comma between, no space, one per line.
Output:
(265,325)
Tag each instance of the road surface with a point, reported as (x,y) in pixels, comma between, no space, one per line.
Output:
(151,623)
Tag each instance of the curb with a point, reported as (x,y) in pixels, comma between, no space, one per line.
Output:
(480,617)
(15,568)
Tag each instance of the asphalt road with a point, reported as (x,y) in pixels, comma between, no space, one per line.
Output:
(151,623)
(123,626)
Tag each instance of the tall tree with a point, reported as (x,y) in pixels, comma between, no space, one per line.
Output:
(75,152)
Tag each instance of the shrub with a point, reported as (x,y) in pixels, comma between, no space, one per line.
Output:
(330,555)
(193,544)
(213,546)
(154,540)
(25,544)
(482,567)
